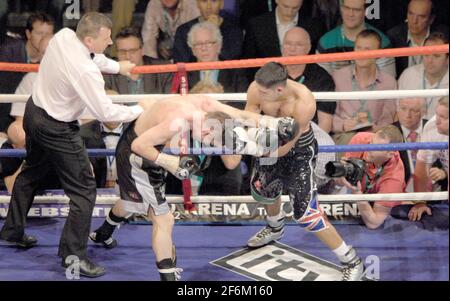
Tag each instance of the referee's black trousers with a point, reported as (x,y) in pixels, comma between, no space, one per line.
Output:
(50,142)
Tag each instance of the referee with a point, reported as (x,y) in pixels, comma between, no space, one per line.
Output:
(68,83)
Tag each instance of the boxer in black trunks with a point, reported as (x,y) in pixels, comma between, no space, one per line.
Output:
(274,95)
(142,166)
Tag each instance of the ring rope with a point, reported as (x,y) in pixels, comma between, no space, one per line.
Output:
(388,197)
(242,97)
(217,151)
(253,63)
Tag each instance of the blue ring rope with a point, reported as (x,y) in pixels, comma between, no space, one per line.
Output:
(19,153)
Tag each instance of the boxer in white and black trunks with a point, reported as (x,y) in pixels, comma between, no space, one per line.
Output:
(142,166)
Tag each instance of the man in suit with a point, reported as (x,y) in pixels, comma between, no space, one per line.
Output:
(419,24)
(410,122)
(98,135)
(206,41)
(265,33)
(39,26)
(211,11)
(249,9)
(129,47)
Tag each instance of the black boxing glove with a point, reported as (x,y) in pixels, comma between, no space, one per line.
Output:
(181,167)
(286,127)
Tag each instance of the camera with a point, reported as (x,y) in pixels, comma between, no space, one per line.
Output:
(352,169)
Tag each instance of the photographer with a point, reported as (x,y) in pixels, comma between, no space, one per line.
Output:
(383,173)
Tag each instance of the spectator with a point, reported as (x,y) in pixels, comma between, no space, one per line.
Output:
(223,176)
(432,73)
(297,42)
(385,14)
(15,50)
(162,19)
(352,116)
(436,130)
(129,47)
(431,215)
(413,32)
(105,135)
(253,8)
(384,174)
(122,15)
(410,113)
(265,34)
(25,88)
(212,11)
(343,37)
(327,10)
(206,42)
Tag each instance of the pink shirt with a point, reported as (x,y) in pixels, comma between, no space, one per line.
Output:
(382,112)
(157,19)
(390,179)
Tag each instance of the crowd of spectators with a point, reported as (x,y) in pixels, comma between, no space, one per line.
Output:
(213,30)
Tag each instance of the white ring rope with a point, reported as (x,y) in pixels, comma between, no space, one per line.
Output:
(320,96)
(390,197)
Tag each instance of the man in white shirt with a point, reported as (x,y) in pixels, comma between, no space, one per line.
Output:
(432,73)
(69,81)
(436,130)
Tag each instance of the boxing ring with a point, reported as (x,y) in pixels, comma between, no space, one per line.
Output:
(214,249)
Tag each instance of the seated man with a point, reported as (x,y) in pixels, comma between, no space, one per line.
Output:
(298,42)
(343,37)
(420,22)
(384,173)
(206,41)
(211,11)
(102,135)
(426,176)
(432,73)
(26,88)
(128,44)
(162,18)
(364,75)
(142,167)
(410,114)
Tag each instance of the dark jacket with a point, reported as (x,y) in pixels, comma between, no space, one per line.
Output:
(91,133)
(158,83)
(231,46)
(261,39)
(399,35)
(12,51)
(404,154)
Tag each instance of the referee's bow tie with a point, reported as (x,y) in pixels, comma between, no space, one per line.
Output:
(105,134)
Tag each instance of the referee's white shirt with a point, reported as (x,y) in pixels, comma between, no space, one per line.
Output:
(69,81)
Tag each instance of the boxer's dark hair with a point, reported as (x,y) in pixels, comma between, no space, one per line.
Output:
(271,74)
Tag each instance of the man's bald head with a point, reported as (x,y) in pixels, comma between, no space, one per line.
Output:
(297,41)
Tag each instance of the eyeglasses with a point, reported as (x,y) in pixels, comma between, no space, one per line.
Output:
(408,110)
(204,44)
(130,51)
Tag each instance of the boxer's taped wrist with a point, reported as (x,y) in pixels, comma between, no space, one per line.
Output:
(168,162)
